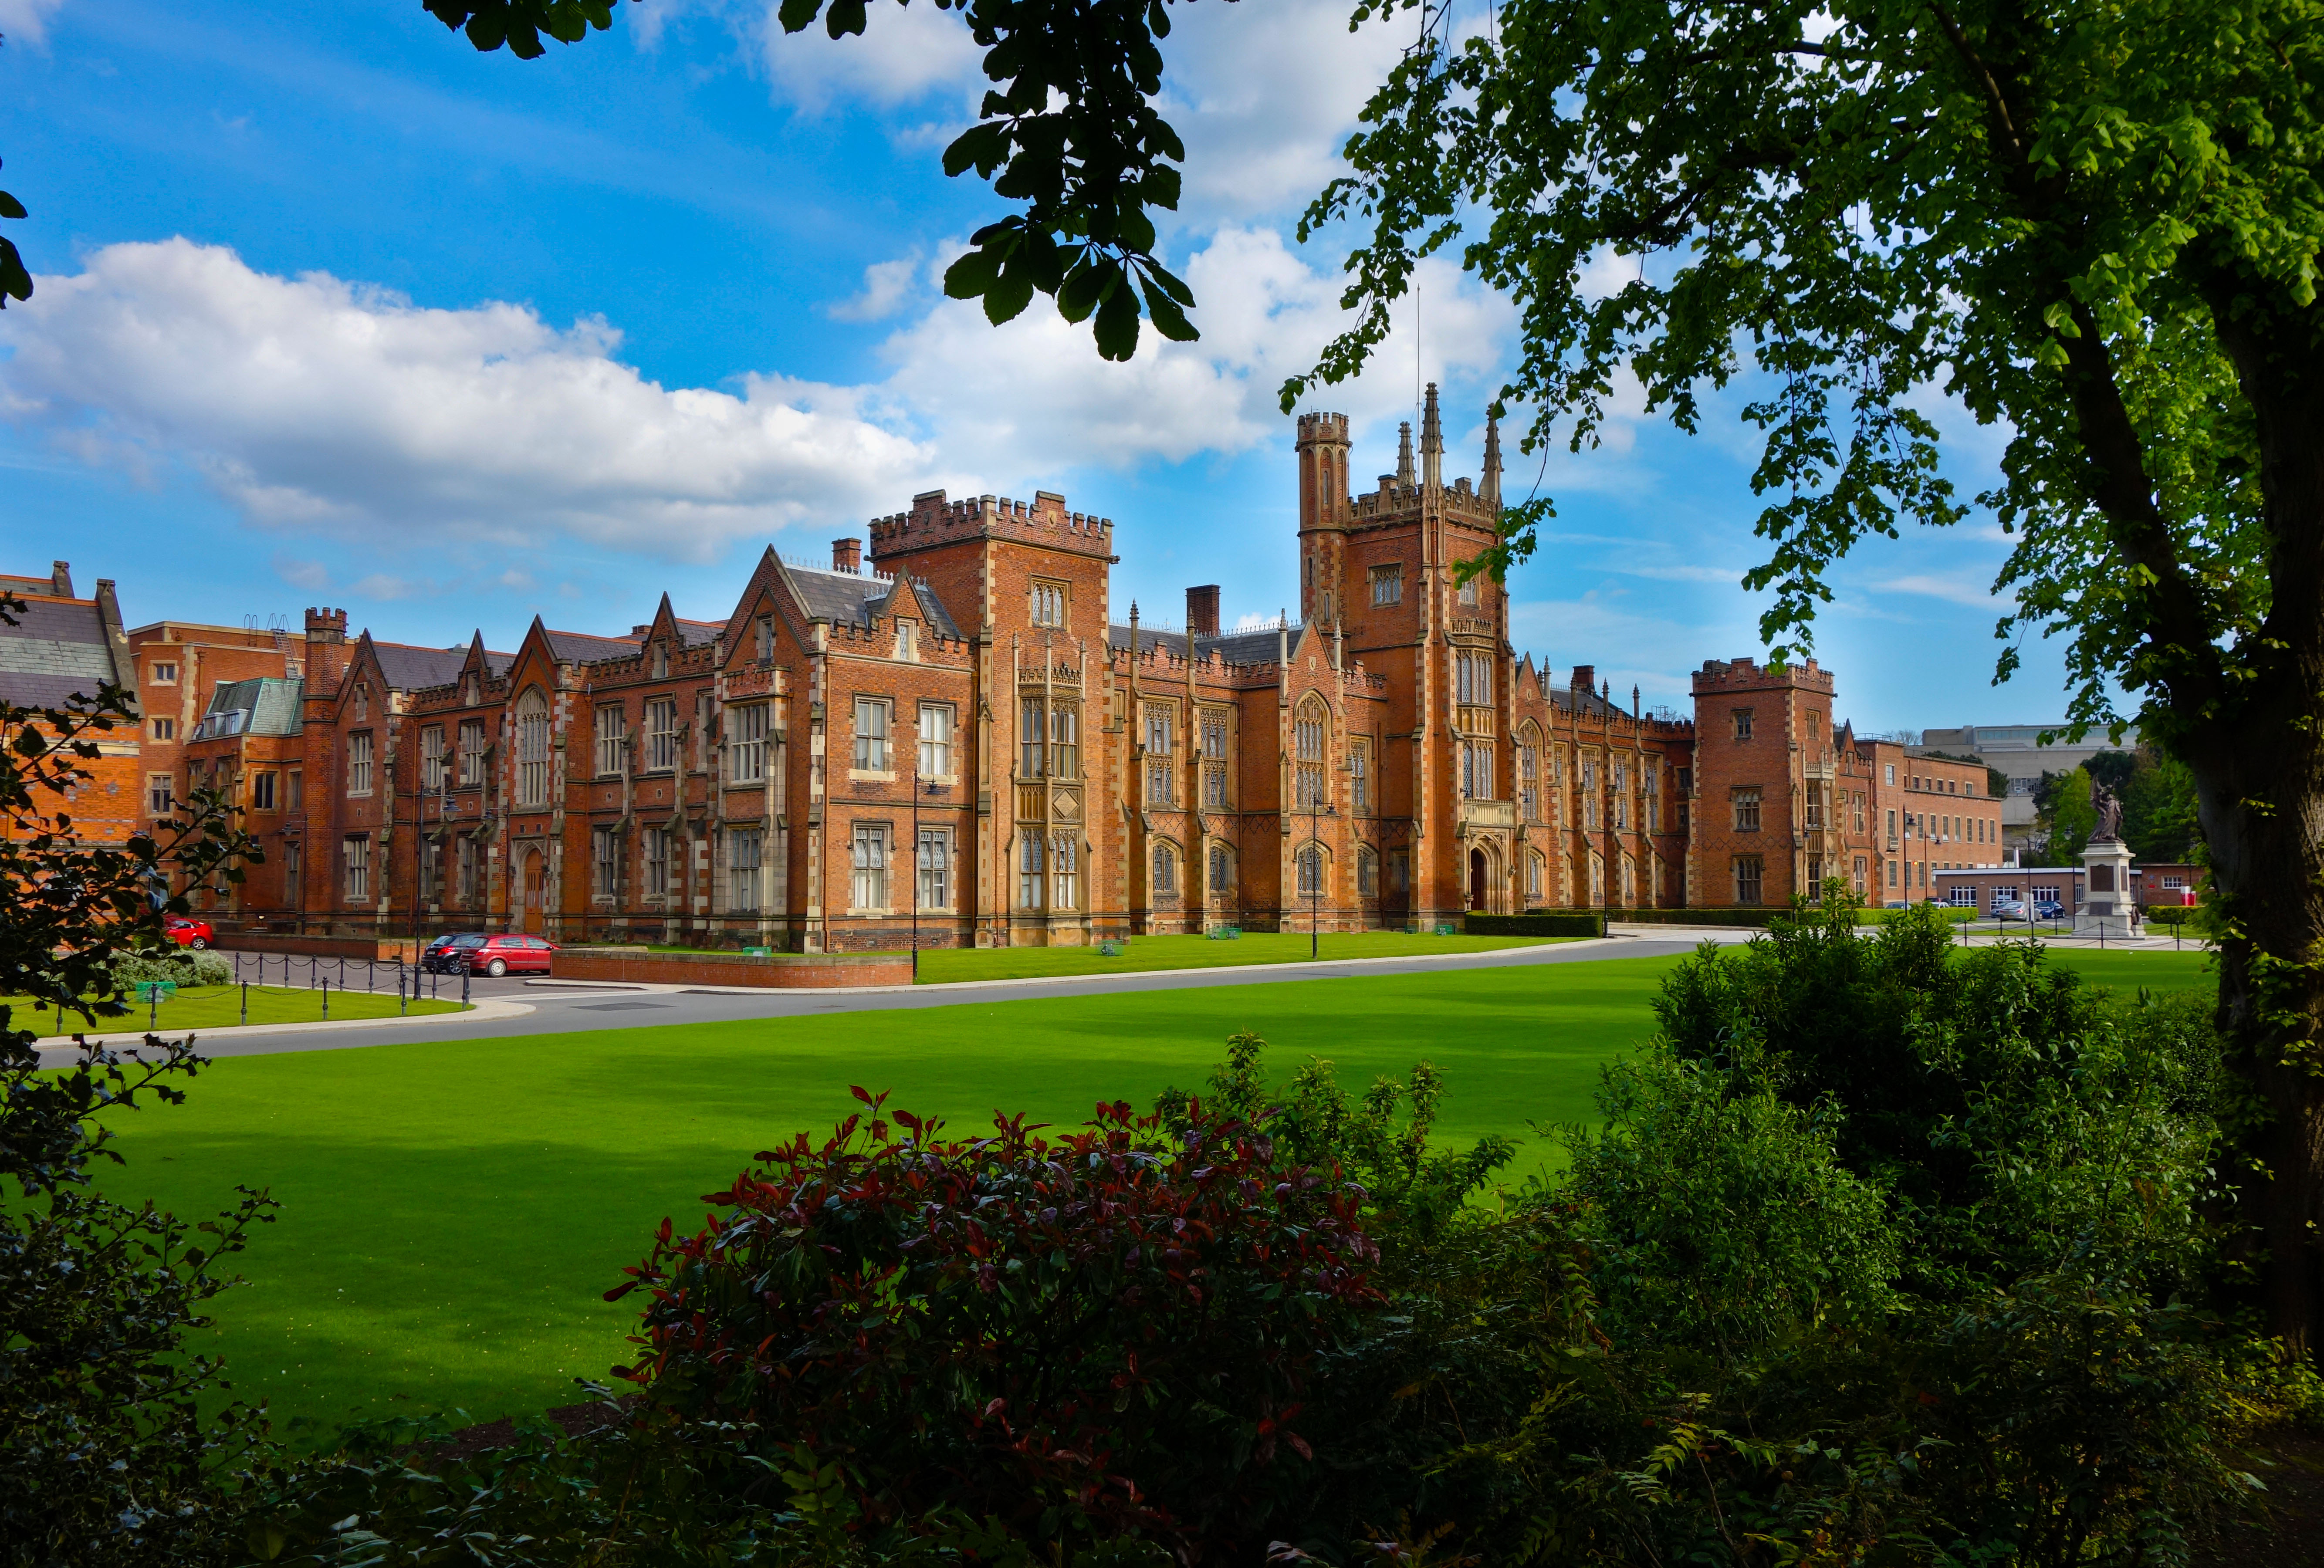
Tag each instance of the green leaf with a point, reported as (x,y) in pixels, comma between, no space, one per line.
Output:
(1085,285)
(12,208)
(795,14)
(16,282)
(1117,324)
(1006,297)
(969,277)
(1170,320)
(845,16)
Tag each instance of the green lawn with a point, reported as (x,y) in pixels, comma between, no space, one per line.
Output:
(453,1211)
(1252,947)
(215,1007)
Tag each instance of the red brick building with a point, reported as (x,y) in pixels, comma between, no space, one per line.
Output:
(64,646)
(962,733)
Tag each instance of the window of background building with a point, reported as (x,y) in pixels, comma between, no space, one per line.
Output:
(1533,875)
(1166,869)
(870,890)
(1892,827)
(295,789)
(1367,872)
(657,862)
(359,762)
(935,740)
(1472,680)
(934,867)
(1748,872)
(1388,585)
(1308,791)
(357,860)
(463,871)
(261,791)
(605,861)
(472,752)
(1158,780)
(1892,874)
(360,708)
(661,734)
(872,734)
(907,641)
(1859,876)
(1529,776)
(1222,868)
(162,673)
(613,740)
(1469,592)
(1214,786)
(1399,871)
(1815,805)
(532,750)
(161,794)
(164,729)
(746,743)
(1032,752)
(1029,868)
(742,845)
(291,862)
(431,760)
(1064,872)
(2045,895)
(1742,724)
(1161,724)
(763,636)
(662,662)
(1892,774)
(1049,603)
(1746,802)
(1064,742)
(431,870)
(1214,736)
(1360,775)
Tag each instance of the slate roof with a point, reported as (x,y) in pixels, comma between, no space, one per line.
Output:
(262,707)
(58,648)
(1262,645)
(581,648)
(698,632)
(847,598)
(408,669)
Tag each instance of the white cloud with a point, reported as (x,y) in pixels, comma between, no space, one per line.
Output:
(885,286)
(26,21)
(901,56)
(311,575)
(1957,588)
(321,406)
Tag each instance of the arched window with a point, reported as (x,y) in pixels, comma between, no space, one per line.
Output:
(1166,869)
(1309,733)
(1367,872)
(1535,873)
(532,748)
(1222,867)
(1313,871)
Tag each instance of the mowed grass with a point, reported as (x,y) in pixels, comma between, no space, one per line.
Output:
(215,1007)
(452,1212)
(1253,948)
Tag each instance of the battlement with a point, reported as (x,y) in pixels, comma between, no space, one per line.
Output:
(1746,674)
(1330,429)
(1394,501)
(1045,521)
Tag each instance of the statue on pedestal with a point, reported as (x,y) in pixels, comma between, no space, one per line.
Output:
(2109,810)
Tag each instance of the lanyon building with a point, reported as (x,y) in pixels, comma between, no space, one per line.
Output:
(963,731)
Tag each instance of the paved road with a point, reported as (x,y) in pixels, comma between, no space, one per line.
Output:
(557,1010)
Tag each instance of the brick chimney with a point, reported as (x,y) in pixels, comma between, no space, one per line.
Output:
(60,579)
(1203,610)
(847,555)
(1585,678)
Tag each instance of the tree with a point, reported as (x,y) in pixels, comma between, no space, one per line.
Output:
(2073,817)
(2158,808)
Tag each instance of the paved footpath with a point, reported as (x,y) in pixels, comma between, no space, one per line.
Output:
(512,1008)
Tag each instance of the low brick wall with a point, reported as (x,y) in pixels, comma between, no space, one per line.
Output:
(380,949)
(780,970)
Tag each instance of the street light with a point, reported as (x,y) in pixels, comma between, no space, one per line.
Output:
(1316,811)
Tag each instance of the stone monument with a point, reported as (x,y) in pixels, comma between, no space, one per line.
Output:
(2108,908)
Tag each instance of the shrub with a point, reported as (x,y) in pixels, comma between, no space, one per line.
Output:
(1537,922)
(1109,1334)
(181,965)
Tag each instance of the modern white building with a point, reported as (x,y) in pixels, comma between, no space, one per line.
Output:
(2016,751)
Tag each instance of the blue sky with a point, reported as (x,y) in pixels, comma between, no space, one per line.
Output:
(333,309)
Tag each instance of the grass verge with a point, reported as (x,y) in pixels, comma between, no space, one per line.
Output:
(453,1211)
(1145,953)
(216,1007)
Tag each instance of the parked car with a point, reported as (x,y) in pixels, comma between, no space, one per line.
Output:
(193,933)
(440,957)
(2011,909)
(503,953)
(2049,909)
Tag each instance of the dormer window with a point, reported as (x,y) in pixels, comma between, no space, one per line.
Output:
(907,647)
(662,662)
(360,709)
(765,633)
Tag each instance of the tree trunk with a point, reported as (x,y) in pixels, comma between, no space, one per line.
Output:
(2257,753)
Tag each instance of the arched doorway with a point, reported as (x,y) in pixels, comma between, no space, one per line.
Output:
(530,882)
(1480,879)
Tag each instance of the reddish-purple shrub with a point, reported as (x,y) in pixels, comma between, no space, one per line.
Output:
(1105,1333)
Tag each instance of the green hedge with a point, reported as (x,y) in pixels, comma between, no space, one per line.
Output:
(1537,922)
(1753,917)
(182,966)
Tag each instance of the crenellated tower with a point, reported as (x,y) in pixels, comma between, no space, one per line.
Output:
(1323,449)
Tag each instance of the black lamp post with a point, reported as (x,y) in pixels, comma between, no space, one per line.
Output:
(914,863)
(1316,811)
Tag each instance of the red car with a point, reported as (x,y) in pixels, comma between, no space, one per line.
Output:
(193,933)
(503,953)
